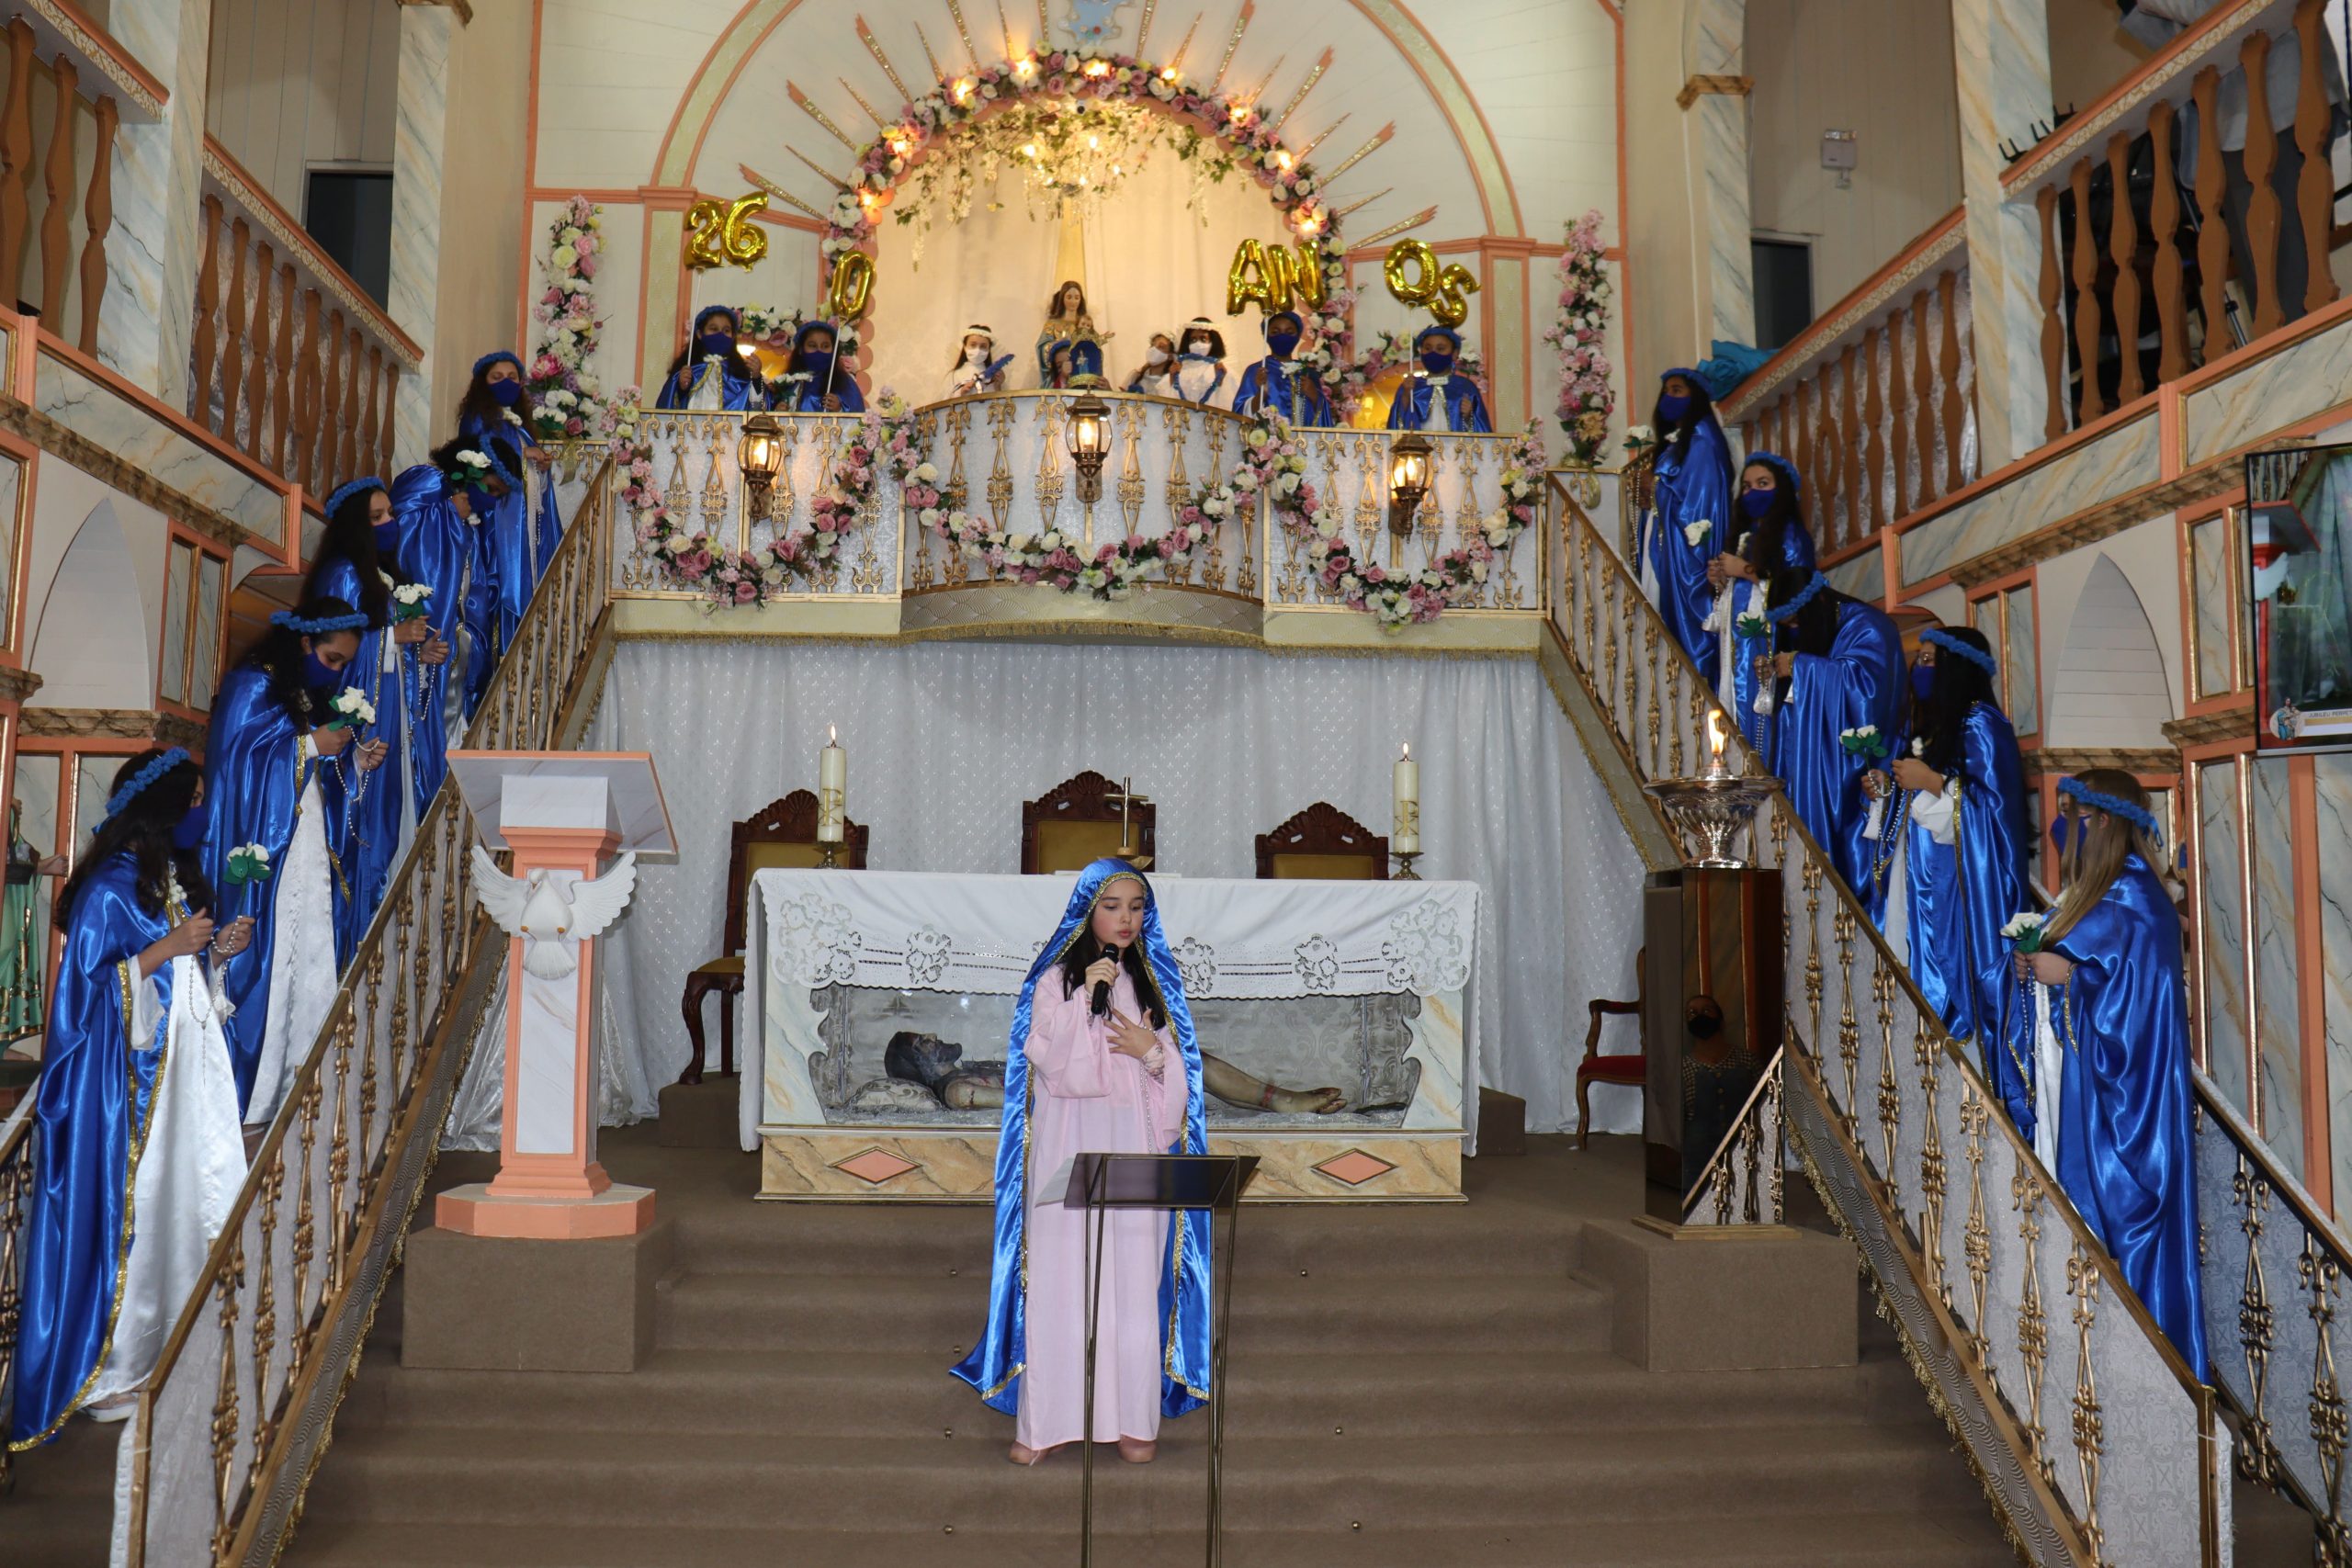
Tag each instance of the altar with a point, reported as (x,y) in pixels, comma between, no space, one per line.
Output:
(884,1000)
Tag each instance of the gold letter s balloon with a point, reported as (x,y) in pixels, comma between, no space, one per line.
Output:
(1451,304)
(1253,276)
(852,287)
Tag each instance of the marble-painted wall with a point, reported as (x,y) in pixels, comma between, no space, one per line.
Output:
(2117,461)
(2332,772)
(299,83)
(2220,889)
(2277,1004)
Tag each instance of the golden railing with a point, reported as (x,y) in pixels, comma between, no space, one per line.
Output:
(1742,1182)
(236,1412)
(2094,1440)
(16,1193)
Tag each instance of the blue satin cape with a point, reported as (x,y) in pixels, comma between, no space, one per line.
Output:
(364,832)
(253,783)
(1960,894)
(1747,599)
(1861,681)
(811,397)
(1465,411)
(449,554)
(516,563)
(1694,481)
(1293,394)
(2123,1139)
(995,1365)
(741,393)
(89,1122)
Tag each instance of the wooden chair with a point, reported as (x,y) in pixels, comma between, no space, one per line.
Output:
(1633,1071)
(784,833)
(1080,821)
(1322,844)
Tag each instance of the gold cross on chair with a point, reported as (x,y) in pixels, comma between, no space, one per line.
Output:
(1127,799)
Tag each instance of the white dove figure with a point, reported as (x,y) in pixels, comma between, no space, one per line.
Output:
(537,910)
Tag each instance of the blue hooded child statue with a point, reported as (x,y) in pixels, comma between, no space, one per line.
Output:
(1004,1367)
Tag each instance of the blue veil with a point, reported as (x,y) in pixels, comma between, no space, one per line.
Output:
(995,1365)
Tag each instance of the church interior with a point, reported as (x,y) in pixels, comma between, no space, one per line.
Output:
(1507,783)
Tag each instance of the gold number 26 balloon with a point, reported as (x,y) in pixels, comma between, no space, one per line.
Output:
(1415,278)
(720,232)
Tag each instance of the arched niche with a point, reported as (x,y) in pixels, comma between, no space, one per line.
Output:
(2109,688)
(93,643)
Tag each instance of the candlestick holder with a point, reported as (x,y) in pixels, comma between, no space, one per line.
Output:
(1713,807)
(828,856)
(1405,872)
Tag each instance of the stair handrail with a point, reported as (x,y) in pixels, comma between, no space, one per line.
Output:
(221,1445)
(2121,1500)
(1741,1184)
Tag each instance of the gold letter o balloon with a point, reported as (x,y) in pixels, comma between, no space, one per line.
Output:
(1411,270)
(852,287)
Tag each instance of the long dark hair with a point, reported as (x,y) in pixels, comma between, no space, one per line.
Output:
(1053,305)
(1938,719)
(350,537)
(1701,409)
(479,407)
(143,829)
(960,349)
(1767,534)
(1084,948)
(277,653)
(797,365)
(445,457)
(1813,629)
(733,366)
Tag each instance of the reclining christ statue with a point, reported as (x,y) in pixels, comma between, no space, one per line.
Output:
(939,1067)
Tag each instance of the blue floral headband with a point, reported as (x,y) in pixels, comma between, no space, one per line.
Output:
(1939,638)
(320,625)
(346,491)
(144,779)
(487,360)
(1780,612)
(1783,470)
(2113,806)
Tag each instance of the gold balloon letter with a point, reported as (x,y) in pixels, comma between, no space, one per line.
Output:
(1306,273)
(704,221)
(1451,303)
(852,287)
(1256,276)
(1411,270)
(746,240)
(721,231)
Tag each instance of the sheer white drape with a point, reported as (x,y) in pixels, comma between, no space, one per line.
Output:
(1152,263)
(946,741)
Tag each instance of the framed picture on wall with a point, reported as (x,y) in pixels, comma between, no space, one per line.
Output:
(2298,573)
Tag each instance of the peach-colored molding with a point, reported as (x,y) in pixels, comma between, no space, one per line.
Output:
(2310,972)
(67,23)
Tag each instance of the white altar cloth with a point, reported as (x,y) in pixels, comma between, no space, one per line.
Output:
(1232,939)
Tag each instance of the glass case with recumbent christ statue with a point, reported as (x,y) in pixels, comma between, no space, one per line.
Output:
(1349,1089)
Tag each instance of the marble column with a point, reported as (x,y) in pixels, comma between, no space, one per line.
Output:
(419,136)
(2001,48)
(144,331)
(1715,141)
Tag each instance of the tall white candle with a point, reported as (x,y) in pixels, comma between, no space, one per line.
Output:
(1405,837)
(832,789)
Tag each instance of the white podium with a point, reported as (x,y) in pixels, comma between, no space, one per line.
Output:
(564,814)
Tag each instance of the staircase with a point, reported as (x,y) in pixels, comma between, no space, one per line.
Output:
(1424,1385)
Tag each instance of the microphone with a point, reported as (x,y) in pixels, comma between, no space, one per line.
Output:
(1102,988)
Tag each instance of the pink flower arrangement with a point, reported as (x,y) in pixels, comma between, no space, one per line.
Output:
(1587,396)
(567,403)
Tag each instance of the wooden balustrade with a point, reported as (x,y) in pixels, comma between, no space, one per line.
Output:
(292,363)
(1875,404)
(67,281)
(2141,281)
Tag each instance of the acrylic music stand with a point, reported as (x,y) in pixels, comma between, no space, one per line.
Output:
(1101,1182)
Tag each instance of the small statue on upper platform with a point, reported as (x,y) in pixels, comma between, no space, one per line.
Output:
(1200,368)
(1437,385)
(1065,318)
(978,367)
(1279,384)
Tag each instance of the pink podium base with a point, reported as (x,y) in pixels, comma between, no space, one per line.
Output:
(474,1209)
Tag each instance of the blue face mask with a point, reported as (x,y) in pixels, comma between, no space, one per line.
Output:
(1757,503)
(1437,361)
(507,392)
(716,343)
(1671,408)
(187,833)
(388,535)
(2059,831)
(1923,676)
(317,675)
(817,362)
(1282,344)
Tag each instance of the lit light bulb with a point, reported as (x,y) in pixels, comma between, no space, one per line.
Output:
(1095,141)
(963,89)
(1281,159)
(1168,75)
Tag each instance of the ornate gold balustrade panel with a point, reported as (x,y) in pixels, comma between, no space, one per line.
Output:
(2094,1439)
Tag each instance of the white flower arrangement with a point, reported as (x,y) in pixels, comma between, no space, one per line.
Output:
(2026,931)
(1696,533)
(408,600)
(1863,740)
(351,708)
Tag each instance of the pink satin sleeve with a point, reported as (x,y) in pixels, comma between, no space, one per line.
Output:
(1167,1096)
(1068,1047)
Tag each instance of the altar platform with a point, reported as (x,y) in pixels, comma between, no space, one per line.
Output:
(1004,458)
(1363,986)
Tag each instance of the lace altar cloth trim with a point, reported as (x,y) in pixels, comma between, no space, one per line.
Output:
(976,935)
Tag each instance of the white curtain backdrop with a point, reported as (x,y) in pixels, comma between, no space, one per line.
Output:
(946,741)
(1152,263)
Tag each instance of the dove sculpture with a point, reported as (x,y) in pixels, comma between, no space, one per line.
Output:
(545,916)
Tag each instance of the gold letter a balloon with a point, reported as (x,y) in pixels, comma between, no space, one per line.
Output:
(1252,276)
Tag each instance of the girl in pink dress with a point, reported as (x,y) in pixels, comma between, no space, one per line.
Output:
(1122,1079)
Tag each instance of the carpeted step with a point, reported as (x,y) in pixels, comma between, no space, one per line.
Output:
(1905,1539)
(63,1507)
(853,1312)
(789,1394)
(458,1475)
